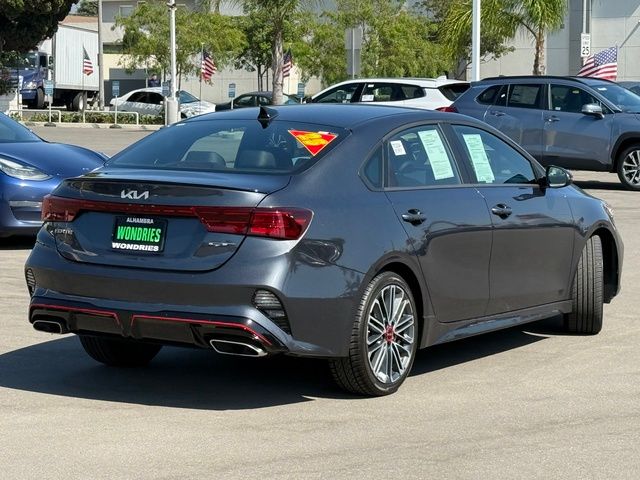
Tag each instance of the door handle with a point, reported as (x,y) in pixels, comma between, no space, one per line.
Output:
(413,216)
(552,118)
(502,210)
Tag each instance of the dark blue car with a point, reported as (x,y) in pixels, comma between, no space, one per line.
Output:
(355,233)
(31,168)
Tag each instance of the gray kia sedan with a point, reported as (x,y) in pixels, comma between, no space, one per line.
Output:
(575,122)
(353,233)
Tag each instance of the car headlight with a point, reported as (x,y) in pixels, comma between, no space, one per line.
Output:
(29,86)
(21,171)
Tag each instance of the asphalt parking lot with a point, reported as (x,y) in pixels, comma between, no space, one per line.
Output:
(522,403)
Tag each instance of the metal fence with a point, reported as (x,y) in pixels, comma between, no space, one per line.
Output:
(52,111)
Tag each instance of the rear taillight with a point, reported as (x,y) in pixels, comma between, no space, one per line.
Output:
(280,223)
(450,108)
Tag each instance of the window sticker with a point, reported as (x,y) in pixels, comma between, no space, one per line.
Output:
(437,153)
(398,148)
(367,98)
(314,142)
(479,159)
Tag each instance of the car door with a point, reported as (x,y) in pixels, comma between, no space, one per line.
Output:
(344,93)
(135,103)
(571,138)
(517,112)
(245,101)
(154,103)
(533,227)
(447,223)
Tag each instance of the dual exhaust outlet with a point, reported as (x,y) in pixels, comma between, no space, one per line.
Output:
(226,347)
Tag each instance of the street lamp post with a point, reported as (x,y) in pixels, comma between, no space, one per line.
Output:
(475,42)
(100,58)
(172,101)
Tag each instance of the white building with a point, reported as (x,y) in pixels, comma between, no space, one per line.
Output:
(610,23)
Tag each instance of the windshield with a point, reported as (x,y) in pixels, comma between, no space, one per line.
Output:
(232,146)
(12,132)
(624,99)
(186,97)
(28,60)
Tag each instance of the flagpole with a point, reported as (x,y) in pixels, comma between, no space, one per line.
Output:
(201,69)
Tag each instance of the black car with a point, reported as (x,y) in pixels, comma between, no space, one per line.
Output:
(580,123)
(256,99)
(353,233)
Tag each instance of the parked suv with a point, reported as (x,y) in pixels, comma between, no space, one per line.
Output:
(428,93)
(575,122)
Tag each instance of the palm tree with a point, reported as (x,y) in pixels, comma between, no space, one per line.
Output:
(540,17)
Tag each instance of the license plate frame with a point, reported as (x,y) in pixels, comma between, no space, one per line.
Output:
(139,235)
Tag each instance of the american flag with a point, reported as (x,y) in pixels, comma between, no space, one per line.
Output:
(603,64)
(287,63)
(208,67)
(87,66)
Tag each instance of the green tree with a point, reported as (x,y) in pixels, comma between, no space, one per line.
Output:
(23,24)
(540,17)
(88,8)
(396,41)
(146,38)
(256,55)
(280,15)
(500,20)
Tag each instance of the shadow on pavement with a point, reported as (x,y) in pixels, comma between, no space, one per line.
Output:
(596,185)
(199,379)
(17,243)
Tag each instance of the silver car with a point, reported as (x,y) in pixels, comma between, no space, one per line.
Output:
(579,123)
(150,101)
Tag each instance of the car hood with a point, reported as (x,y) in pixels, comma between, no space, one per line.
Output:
(55,159)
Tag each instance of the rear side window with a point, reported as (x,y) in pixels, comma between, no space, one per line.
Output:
(340,94)
(242,146)
(525,96)
(411,91)
(419,157)
(492,160)
(453,90)
(489,96)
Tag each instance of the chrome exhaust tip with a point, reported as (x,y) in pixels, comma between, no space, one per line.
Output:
(229,347)
(50,326)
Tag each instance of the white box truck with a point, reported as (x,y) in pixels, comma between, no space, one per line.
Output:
(70,59)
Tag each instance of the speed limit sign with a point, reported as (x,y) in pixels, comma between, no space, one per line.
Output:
(585,45)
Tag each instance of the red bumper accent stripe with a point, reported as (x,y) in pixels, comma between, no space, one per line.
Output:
(207,322)
(88,311)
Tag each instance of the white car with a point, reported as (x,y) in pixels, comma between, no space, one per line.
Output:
(429,93)
(149,101)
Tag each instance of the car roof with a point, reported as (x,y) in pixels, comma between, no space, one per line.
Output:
(536,78)
(337,115)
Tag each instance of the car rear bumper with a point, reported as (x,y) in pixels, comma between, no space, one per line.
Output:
(226,334)
(186,308)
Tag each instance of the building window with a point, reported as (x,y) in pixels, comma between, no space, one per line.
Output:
(125,10)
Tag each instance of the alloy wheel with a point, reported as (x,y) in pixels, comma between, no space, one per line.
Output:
(631,167)
(390,334)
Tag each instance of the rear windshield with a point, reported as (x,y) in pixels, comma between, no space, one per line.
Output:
(453,90)
(240,146)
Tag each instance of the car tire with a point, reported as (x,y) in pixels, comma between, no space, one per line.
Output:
(628,167)
(381,349)
(77,105)
(39,101)
(587,291)
(119,353)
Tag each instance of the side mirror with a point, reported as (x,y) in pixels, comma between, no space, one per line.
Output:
(557,177)
(593,109)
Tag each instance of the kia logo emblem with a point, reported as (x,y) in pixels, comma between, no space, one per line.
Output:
(134,195)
